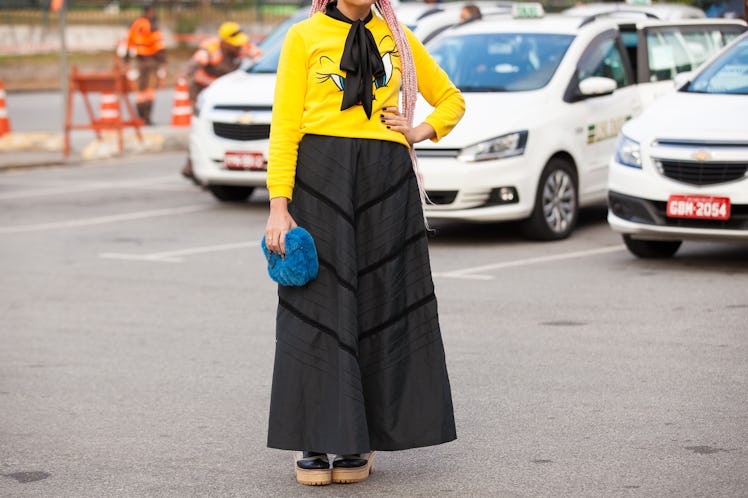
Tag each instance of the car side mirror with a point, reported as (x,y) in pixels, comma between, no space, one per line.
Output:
(596,85)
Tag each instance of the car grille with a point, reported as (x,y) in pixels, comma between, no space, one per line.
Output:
(234,131)
(437,152)
(703,173)
(226,107)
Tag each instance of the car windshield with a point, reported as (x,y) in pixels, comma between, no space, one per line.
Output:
(726,75)
(500,62)
(273,43)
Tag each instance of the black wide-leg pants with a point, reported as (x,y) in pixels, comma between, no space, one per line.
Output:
(359,359)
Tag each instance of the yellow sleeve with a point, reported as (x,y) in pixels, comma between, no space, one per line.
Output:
(288,108)
(437,89)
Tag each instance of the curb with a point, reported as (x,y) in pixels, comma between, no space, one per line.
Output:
(37,149)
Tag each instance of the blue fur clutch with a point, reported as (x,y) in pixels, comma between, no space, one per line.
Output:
(300,265)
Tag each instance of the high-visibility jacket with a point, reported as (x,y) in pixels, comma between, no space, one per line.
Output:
(145,37)
(209,62)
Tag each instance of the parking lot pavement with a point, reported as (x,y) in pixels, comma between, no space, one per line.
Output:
(138,339)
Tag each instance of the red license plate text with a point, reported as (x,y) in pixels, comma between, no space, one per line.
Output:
(698,207)
(244,160)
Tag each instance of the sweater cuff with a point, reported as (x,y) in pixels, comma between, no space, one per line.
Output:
(281,191)
(439,131)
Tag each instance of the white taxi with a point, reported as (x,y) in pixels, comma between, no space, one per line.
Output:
(546,96)
(680,170)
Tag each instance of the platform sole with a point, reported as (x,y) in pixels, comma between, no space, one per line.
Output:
(320,477)
(358,474)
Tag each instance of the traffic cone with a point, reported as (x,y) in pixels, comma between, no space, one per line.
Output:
(109,108)
(181,113)
(4,121)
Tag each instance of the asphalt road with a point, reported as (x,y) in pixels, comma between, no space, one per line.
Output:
(137,340)
(45,111)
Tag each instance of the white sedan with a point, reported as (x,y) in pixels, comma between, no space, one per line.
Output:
(681,169)
(231,126)
(545,99)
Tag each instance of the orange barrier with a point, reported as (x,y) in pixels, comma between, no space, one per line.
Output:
(4,120)
(181,113)
(109,110)
(114,83)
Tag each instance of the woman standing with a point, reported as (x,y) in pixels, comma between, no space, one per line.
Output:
(359,360)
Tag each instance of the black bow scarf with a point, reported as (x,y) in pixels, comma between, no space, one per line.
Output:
(360,61)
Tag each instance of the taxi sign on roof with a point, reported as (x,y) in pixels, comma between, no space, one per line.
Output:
(639,2)
(527,10)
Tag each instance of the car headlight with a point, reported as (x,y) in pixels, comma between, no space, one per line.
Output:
(509,145)
(628,152)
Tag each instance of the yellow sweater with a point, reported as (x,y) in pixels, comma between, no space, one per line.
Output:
(308,93)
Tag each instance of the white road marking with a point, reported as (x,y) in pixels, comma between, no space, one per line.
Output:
(101,220)
(469,273)
(147,183)
(175,256)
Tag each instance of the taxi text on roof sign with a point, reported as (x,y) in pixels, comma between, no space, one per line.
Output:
(639,2)
(527,10)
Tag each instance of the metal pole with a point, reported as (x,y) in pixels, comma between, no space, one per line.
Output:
(63,64)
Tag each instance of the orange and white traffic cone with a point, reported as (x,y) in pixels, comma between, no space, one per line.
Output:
(109,108)
(4,120)
(181,113)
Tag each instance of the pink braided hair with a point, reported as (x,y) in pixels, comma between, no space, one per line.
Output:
(407,69)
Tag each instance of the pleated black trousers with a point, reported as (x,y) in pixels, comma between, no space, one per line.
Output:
(359,359)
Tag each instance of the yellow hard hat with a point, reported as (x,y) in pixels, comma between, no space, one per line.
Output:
(232,33)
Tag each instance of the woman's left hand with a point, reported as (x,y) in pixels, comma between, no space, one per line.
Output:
(395,121)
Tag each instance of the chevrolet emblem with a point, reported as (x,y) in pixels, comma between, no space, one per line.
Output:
(702,155)
(246,118)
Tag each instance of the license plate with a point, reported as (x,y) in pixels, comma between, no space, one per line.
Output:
(244,160)
(700,207)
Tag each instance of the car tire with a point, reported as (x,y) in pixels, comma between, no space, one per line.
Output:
(556,203)
(230,193)
(652,248)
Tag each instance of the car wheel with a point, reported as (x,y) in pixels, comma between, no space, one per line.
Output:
(230,193)
(556,203)
(652,248)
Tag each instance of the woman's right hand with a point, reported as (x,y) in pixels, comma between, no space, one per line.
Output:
(279,223)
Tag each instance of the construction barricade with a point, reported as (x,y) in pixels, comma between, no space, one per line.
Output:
(114,87)
(4,120)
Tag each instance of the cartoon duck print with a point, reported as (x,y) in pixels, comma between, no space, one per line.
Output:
(331,69)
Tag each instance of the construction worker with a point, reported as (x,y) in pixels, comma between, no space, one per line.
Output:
(218,56)
(214,58)
(147,42)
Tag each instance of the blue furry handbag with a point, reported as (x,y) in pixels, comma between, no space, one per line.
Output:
(300,265)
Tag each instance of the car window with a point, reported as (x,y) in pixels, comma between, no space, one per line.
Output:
(728,74)
(273,43)
(500,62)
(667,55)
(604,58)
(674,50)
(268,63)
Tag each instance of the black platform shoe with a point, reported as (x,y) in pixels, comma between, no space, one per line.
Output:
(313,469)
(352,468)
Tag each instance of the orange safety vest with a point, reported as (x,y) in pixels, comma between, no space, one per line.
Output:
(144,39)
(212,61)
